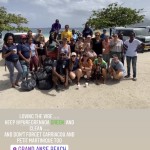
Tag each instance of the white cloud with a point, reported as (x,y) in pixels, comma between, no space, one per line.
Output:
(3,1)
(73,12)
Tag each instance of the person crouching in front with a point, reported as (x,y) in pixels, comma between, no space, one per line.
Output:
(74,70)
(99,69)
(86,66)
(116,70)
(60,71)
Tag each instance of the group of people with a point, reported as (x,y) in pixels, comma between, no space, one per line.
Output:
(93,57)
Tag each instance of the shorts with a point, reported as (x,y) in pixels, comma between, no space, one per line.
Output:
(106,57)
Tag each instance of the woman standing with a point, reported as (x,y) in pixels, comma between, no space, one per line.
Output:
(106,50)
(40,44)
(34,55)
(79,46)
(24,52)
(65,48)
(116,46)
(51,47)
(97,43)
(9,53)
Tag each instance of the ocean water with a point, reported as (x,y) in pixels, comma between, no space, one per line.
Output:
(45,31)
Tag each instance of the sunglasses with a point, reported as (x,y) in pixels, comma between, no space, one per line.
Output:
(73,56)
(62,54)
(97,35)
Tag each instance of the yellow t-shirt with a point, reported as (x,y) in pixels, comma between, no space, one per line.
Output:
(66,34)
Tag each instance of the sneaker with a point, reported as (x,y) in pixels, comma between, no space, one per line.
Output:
(111,77)
(134,78)
(127,76)
(57,88)
(78,86)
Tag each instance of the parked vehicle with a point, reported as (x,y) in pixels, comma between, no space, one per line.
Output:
(1,42)
(18,36)
(141,34)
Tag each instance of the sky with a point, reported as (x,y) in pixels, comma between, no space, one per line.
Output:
(42,13)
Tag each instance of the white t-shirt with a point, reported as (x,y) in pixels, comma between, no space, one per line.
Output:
(132,47)
(117,47)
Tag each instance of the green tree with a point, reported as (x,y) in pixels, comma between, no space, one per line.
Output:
(115,15)
(9,21)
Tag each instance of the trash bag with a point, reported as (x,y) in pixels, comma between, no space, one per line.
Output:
(44,84)
(47,62)
(28,85)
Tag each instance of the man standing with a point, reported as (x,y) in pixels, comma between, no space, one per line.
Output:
(55,27)
(66,34)
(132,45)
(103,35)
(87,31)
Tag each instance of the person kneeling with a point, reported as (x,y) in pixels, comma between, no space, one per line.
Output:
(86,66)
(60,71)
(74,70)
(99,69)
(116,70)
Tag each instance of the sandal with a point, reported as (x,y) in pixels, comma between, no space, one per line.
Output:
(17,84)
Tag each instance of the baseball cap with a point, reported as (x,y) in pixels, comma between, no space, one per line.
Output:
(100,55)
(89,36)
(23,36)
(62,52)
(73,54)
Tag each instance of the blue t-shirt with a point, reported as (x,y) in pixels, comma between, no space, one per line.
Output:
(12,57)
(118,66)
(25,50)
(75,65)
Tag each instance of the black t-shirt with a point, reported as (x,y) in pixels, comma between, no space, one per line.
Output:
(87,31)
(61,66)
(97,46)
(72,47)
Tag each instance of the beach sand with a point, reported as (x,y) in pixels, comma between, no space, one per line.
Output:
(127,94)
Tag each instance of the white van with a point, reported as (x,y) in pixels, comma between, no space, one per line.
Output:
(1,42)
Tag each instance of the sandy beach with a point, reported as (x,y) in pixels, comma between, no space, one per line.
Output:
(126,94)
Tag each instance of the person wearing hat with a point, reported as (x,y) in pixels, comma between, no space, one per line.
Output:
(60,71)
(116,69)
(99,68)
(86,66)
(24,52)
(74,70)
